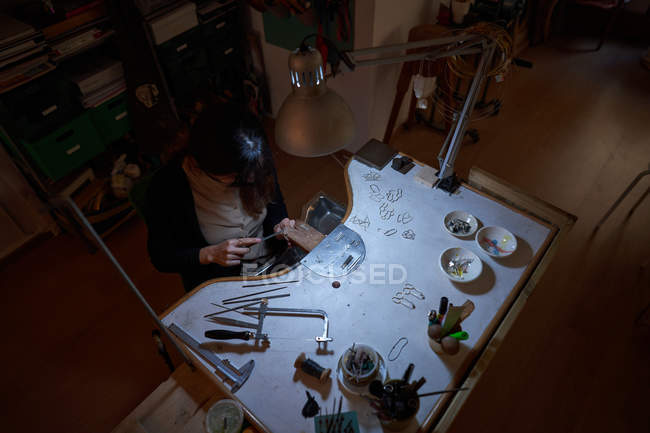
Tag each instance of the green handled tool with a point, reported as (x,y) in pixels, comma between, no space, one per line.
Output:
(460,335)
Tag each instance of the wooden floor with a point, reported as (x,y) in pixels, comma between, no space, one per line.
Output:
(77,353)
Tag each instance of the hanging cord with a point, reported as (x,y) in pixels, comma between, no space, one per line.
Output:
(450,93)
(461,66)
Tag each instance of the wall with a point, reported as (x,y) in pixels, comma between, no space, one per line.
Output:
(392,22)
(369,91)
(22,214)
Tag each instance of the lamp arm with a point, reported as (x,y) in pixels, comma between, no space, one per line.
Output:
(458,132)
(446,47)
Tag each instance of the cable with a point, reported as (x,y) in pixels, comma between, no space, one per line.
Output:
(449,95)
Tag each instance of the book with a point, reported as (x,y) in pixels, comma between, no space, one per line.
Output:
(99,23)
(19,48)
(24,77)
(104,94)
(79,42)
(173,23)
(6,61)
(91,14)
(22,67)
(12,30)
(99,73)
(83,8)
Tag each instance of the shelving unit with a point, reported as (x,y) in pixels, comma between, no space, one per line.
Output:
(48,132)
(58,142)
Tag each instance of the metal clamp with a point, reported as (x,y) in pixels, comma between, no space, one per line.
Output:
(322,339)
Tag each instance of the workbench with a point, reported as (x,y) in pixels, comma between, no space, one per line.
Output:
(361,310)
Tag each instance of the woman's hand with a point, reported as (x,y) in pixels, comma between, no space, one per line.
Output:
(282,225)
(227,253)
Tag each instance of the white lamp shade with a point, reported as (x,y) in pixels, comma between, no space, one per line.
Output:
(314,126)
(313,120)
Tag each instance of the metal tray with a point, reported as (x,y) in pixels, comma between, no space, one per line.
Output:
(323,213)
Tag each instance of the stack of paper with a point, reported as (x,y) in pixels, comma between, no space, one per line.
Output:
(23,53)
(100,80)
(171,24)
(104,94)
(75,42)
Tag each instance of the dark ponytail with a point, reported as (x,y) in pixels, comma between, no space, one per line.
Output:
(227,139)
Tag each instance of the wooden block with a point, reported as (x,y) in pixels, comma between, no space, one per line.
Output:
(488,183)
(305,236)
(173,404)
(426,176)
(375,154)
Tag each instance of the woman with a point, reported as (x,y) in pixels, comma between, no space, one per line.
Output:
(209,208)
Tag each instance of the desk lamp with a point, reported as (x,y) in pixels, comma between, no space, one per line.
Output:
(315,121)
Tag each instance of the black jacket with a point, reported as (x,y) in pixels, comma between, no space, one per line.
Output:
(175,237)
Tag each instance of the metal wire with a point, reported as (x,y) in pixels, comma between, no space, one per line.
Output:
(459,70)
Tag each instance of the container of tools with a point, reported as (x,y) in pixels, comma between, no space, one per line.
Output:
(445,344)
(444,327)
(402,405)
(359,364)
(396,401)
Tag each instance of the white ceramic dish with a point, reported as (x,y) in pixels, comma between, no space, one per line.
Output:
(496,241)
(225,416)
(460,265)
(463,216)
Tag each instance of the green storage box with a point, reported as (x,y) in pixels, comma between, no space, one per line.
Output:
(67,148)
(111,119)
(40,106)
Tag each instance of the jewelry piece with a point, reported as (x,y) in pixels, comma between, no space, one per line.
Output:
(409,289)
(459,267)
(394,357)
(398,298)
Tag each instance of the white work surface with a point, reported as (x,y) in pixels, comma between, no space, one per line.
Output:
(362,311)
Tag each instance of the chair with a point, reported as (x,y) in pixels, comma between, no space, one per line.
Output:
(410,69)
(612,7)
(138,195)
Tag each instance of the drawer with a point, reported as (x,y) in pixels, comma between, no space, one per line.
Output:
(181,46)
(187,73)
(111,119)
(221,27)
(224,54)
(65,149)
(39,106)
